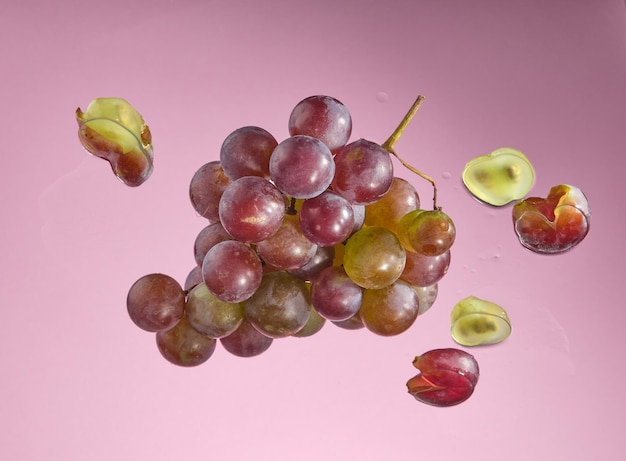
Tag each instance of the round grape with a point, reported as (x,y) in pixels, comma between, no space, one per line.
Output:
(327,219)
(322,117)
(184,346)
(206,187)
(155,302)
(211,316)
(246,152)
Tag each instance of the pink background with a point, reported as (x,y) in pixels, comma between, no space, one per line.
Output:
(81,382)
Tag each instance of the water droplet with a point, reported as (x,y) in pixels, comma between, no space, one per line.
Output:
(381,96)
(446,175)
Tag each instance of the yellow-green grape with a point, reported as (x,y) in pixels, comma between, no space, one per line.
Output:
(112,129)
(403,229)
(500,177)
(373,257)
(477,322)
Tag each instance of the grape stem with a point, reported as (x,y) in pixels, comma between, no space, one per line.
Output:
(389,144)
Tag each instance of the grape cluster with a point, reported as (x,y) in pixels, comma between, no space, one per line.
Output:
(309,230)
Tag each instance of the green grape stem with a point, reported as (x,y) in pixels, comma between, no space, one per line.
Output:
(389,144)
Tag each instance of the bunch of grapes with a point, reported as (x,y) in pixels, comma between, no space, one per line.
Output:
(309,230)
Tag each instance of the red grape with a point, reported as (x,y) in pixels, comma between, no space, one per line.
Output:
(207,186)
(155,302)
(246,152)
(184,346)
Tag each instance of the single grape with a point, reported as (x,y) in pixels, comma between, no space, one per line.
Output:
(232,271)
(251,209)
(322,117)
(246,152)
(211,316)
(155,302)
(334,295)
(327,219)
(391,207)
(207,238)
(423,271)
(184,346)
(302,167)
(390,310)
(359,217)
(363,172)
(446,377)
(373,257)
(287,248)
(207,186)
(431,233)
(280,307)
(246,341)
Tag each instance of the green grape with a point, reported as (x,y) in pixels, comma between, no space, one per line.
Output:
(373,257)
(211,316)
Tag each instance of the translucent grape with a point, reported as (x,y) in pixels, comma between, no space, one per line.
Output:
(477,322)
(280,307)
(391,207)
(431,233)
(427,297)
(246,152)
(207,186)
(246,341)
(373,257)
(334,295)
(327,219)
(322,117)
(211,316)
(155,302)
(287,248)
(251,209)
(390,310)
(302,167)
(363,172)
(232,271)
(184,346)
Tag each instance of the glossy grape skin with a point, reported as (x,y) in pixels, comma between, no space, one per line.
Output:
(363,172)
(302,167)
(447,377)
(194,277)
(184,346)
(211,316)
(555,224)
(280,307)
(232,271)
(334,295)
(314,325)
(323,257)
(391,207)
(327,219)
(288,247)
(155,302)
(206,188)
(251,209)
(373,257)
(427,297)
(246,152)
(207,238)
(390,310)
(353,323)
(431,233)
(424,271)
(246,341)
(322,117)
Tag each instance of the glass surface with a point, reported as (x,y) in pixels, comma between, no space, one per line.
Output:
(81,382)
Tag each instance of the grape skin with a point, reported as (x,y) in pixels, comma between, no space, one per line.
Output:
(251,209)
(155,302)
(182,345)
(322,117)
(302,167)
(205,189)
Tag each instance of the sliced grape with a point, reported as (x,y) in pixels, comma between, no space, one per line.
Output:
(477,322)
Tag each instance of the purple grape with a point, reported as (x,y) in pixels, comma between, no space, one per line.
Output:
(302,167)
(206,187)
(155,302)
(334,296)
(324,118)
(327,219)
(246,152)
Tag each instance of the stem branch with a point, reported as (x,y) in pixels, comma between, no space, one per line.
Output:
(389,144)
